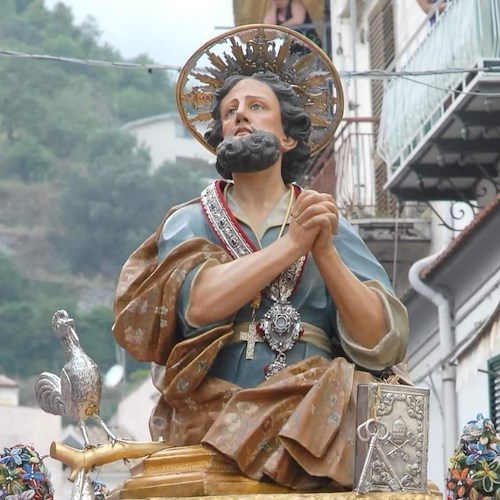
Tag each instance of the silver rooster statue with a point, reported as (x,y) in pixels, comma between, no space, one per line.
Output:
(77,392)
(82,488)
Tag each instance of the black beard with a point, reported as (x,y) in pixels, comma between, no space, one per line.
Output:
(251,153)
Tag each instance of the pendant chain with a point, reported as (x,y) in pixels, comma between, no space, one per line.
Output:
(285,220)
(281,326)
(280,289)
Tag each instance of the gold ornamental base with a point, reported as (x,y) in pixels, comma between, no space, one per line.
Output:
(193,472)
(189,471)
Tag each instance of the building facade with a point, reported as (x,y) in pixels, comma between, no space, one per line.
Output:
(415,167)
(167,140)
(419,153)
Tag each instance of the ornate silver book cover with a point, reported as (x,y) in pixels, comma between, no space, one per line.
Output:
(392,438)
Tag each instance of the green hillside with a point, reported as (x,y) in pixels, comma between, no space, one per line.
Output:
(77,195)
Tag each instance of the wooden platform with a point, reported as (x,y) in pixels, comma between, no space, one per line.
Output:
(194,472)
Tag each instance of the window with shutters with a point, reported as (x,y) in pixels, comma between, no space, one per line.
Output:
(382,52)
(494,383)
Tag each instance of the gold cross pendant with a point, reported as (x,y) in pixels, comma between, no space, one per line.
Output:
(251,337)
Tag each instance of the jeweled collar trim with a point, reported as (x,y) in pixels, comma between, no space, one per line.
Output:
(227,228)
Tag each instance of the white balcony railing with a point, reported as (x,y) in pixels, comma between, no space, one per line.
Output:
(463,36)
(354,175)
(345,168)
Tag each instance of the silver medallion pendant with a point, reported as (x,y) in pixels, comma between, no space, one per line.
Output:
(282,328)
(281,325)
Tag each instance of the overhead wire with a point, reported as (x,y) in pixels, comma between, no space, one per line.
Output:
(88,62)
(455,91)
(373,74)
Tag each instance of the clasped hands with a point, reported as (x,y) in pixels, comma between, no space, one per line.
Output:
(313,221)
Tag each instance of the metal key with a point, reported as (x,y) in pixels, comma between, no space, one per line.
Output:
(371,430)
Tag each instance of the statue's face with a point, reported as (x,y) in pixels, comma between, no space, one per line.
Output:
(250,106)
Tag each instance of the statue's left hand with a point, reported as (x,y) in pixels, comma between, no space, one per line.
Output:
(313,209)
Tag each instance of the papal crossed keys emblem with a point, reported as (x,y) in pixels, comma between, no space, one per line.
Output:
(399,438)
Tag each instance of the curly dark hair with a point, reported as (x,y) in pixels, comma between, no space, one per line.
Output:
(295,121)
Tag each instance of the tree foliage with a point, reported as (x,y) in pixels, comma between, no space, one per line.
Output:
(60,127)
(111,208)
(28,344)
(11,280)
(105,209)
(59,105)
(29,160)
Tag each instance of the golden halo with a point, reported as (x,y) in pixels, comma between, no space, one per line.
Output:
(254,48)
